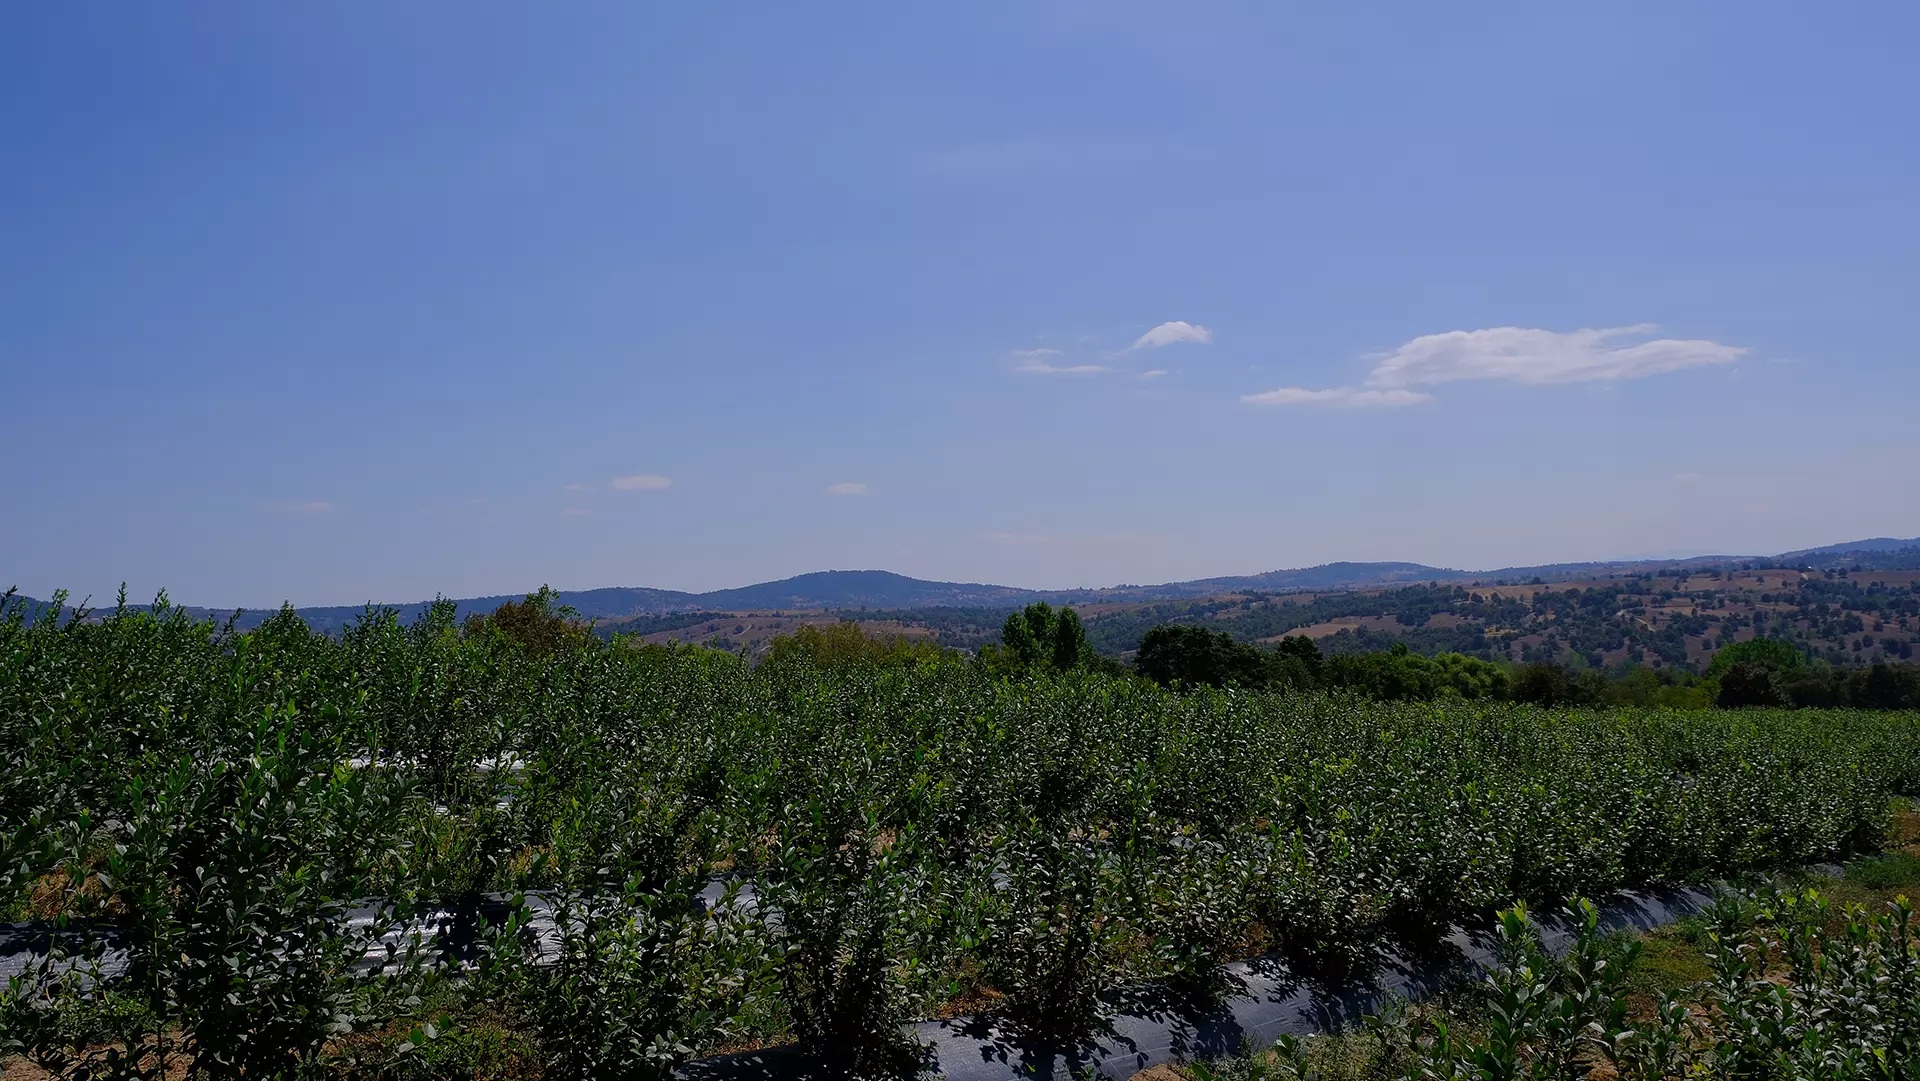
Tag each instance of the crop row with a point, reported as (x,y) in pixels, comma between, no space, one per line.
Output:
(921,837)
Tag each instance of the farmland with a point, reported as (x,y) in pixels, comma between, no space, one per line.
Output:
(919,838)
(1672,619)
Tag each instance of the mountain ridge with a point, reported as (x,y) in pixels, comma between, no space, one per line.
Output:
(880,589)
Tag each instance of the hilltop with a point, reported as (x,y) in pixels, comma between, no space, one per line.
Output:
(1519,612)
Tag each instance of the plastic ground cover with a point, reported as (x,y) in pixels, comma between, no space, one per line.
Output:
(1147,1025)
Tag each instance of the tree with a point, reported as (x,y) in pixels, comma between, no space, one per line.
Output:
(1390,675)
(1746,683)
(1470,677)
(1889,686)
(1296,662)
(1770,653)
(1542,683)
(1037,637)
(538,624)
(1174,653)
(1301,647)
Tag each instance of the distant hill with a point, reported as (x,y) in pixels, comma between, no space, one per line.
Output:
(884,590)
(1875,544)
(860,589)
(607,603)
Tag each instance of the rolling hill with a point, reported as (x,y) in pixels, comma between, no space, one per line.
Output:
(876,590)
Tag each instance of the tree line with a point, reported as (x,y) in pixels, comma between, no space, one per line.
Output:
(1766,672)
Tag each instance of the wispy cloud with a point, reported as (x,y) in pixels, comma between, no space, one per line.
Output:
(643,482)
(576,512)
(1039,362)
(308,507)
(1173,333)
(1533,357)
(1688,477)
(576,486)
(1346,396)
(847,487)
(1154,373)
(1515,355)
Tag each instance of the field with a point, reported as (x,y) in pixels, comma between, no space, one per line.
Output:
(875,842)
(1744,987)
(1675,619)
(1669,618)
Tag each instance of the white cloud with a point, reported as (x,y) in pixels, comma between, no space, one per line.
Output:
(576,512)
(1534,357)
(1173,333)
(1036,362)
(643,482)
(1688,477)
(847,487)
(1153,374)
(1344,396)
(1515,355)
(576,486)
(311,506)
(1041,367)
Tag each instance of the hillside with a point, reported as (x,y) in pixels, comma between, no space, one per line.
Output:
(860,589)
(964,613)
(1674,618)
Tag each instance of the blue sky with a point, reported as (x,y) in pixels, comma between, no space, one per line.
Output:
(363,301)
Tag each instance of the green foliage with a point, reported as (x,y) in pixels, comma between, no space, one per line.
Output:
(924,832)
(1038,638)
(628,983)
(1399,674)
(1662,622)
(1745,683)
(1767,653)
(1894,870)
(847,898)
(538,624)
(846,643)
(1176,654)
(1791,990)
(1053,930)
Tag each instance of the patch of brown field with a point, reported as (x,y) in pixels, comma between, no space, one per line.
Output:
(741,1046)
(1106,608)
(1905,833)
(52,895)
(974,998)
(1335,626)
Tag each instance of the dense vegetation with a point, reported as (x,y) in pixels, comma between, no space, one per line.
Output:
(1751,672)
(906,831)
(1656,619)
(1790,988)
